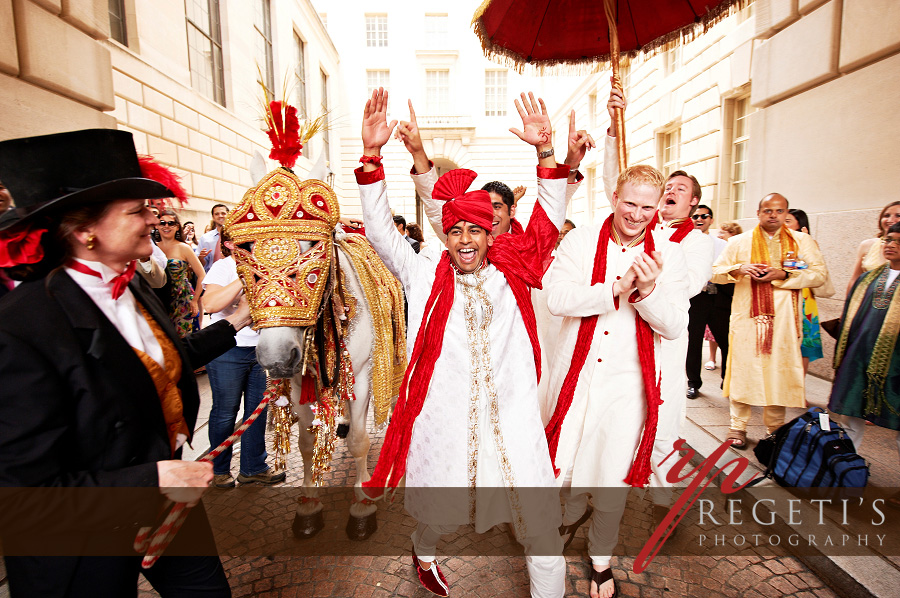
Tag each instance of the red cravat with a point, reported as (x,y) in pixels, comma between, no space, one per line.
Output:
(120,282)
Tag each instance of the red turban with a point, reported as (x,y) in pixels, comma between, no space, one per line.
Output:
(474,207)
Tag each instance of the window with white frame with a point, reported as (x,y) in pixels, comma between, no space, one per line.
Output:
(672,60)
(739,154)
(436,28)
(262,25)
(437,92)
(300,74)
(205,48)
(495,93)
(376,31)
(669,151)
(376,79)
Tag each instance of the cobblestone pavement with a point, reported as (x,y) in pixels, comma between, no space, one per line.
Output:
(683,567)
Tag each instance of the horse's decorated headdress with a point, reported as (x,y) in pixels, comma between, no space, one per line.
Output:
(284,283)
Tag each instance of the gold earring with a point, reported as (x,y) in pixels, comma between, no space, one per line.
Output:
(91,242)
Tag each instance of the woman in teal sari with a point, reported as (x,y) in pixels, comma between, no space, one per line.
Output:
(867,357)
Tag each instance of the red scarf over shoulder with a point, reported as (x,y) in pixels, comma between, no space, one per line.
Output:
(520,258)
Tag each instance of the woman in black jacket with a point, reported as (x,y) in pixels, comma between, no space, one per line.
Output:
(98,391)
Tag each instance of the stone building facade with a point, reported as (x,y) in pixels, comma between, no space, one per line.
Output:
(181,75)
(426,52)
(787,96)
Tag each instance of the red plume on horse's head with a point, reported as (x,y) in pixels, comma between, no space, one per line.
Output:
(453,184)
(284,133)
(153,170)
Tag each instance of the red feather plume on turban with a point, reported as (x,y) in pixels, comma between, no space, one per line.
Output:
(474,207)
(153,170)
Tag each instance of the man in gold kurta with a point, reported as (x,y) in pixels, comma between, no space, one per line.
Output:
(765,367)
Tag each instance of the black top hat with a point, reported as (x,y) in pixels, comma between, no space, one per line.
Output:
(53,172)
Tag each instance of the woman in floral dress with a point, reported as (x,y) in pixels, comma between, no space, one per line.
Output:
(184,303)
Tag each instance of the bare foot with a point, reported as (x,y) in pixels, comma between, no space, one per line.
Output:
(606,589)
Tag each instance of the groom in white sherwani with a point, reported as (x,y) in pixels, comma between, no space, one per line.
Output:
(466,431)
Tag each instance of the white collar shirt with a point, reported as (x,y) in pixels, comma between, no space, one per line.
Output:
(122,312)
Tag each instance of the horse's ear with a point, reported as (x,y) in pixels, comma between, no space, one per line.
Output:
(257,167)
(319,171)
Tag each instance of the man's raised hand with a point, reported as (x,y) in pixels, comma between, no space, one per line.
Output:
(616,100)
(535,122)
(375,129)
(408,132)
(579,144)
(518,193)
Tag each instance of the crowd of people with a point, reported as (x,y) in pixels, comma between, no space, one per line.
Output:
(542,355)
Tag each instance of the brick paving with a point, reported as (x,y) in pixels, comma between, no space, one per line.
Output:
(683,567)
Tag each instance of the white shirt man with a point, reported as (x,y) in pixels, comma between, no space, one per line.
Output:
(605,380)
(681,196)
(208,248)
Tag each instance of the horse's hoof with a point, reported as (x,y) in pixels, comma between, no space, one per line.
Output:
(343,430)
(307,526)
(360,528)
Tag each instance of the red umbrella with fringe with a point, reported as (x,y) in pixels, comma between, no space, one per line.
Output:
(560,33)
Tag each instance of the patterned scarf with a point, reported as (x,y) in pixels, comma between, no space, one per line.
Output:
(639,474)
(762,306)
(880,360)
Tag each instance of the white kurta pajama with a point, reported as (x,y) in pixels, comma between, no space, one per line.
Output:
(698,256)
(547,324)
(602,428)
(480,422)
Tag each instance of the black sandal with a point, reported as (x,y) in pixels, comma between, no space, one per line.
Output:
(572,528)
(601,577)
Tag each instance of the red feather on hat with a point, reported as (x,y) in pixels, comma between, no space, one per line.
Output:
(153,170)
(453,184)
(284,133)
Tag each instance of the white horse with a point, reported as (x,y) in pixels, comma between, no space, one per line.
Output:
(281,352)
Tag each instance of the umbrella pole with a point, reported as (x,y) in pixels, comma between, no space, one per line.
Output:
(610,8)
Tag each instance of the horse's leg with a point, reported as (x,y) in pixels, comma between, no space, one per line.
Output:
(362,523)
(308,521)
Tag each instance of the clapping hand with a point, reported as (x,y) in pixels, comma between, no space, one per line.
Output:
(647,269)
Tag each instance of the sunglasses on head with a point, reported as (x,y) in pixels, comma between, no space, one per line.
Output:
(167,223)
(701,216)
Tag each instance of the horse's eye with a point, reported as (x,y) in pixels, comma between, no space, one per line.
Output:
(248,246)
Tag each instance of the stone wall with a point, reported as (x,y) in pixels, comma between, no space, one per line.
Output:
(55,71)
